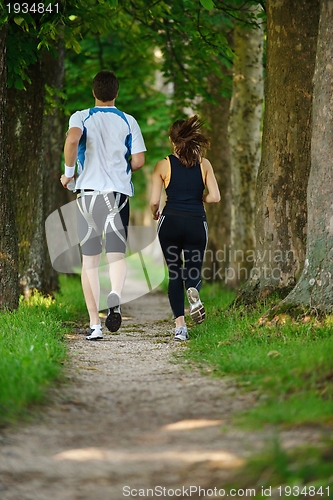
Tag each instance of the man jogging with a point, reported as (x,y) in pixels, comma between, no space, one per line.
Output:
(107,145)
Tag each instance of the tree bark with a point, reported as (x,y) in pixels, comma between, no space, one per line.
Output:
(54,125)
(218,215)
(25,120)
(315,287)
(8,241)
(281,213)
(245,141)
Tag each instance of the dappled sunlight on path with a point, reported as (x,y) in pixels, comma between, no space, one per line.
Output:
(131,415)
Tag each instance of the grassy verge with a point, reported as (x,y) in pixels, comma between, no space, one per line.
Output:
(305,472)
(288,364)
(32,348)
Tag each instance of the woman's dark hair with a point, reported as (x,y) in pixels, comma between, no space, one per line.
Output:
(105,86)
(188,141)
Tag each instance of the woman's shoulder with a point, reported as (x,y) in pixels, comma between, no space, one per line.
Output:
(162,166)
(206,164)
(164,161)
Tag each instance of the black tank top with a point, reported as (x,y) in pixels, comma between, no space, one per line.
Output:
(185,189)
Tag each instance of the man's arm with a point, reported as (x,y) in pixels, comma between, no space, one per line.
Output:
(70,151)
(137,161)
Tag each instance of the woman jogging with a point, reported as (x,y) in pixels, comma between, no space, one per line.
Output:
(182,227)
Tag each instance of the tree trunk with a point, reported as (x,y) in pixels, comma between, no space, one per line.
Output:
(281,215)
(8,240)
(315,287)
(244,142)
(25,120)
(218,215)
(54,125)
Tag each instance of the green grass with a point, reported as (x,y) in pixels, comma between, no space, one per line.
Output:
(32,347)
(304,472)
(288,366)
(288,363)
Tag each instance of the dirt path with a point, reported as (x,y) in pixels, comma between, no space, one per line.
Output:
(131,417)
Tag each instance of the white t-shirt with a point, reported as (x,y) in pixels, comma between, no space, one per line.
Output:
(109,137)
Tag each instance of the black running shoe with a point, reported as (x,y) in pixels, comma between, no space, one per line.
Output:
(113,320)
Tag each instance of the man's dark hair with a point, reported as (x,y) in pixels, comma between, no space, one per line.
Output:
(105,86)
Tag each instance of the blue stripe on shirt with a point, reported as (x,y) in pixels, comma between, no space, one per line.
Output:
(128,140)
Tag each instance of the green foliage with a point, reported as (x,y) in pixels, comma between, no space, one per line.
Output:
(208,4)
(287,362)
(54,98)
(193,42)
(182,41)
(129,37)
(32,349)
(31,32)
(193,39)
(19,42)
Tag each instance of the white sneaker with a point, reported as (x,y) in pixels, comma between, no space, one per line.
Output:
(197,310)
(95,333)
(181,333)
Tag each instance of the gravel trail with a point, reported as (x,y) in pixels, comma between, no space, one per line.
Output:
(131,417)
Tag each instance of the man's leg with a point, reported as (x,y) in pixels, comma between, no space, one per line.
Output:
(117,271)
(115,244)
(91,286)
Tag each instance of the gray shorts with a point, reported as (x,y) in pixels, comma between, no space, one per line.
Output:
(102,216)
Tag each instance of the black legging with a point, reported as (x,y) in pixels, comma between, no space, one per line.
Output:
(183,240)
